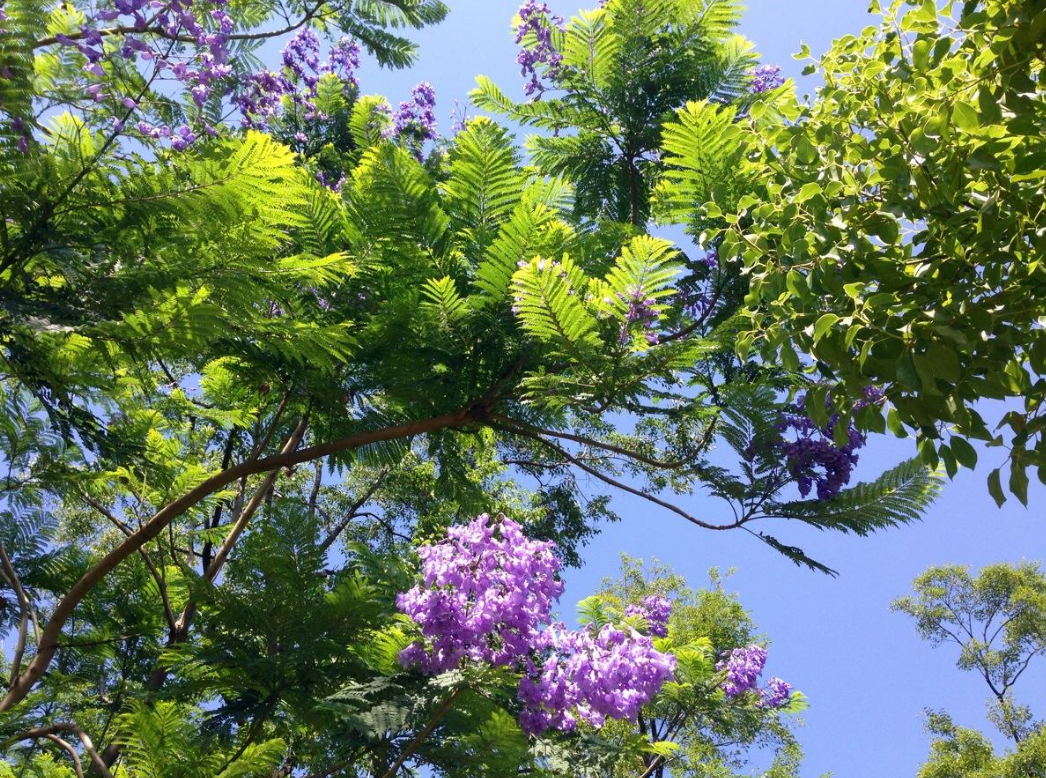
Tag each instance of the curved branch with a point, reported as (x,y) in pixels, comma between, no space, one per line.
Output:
(352,512)
(78,767)
(50,731)
(48,643)
(521,428)
(28,612)
(625,487)
(160,32)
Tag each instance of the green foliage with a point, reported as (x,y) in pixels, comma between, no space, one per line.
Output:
(903,206)
(998,620)
(691,728)
(625,68)
(233,402)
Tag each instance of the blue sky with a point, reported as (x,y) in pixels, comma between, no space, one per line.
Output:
(867,674)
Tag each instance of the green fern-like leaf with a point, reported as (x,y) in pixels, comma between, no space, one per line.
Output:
(703,148)
(549,302)
(899,496)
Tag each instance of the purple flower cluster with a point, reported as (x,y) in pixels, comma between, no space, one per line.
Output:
(416,118)
(743,666)
(536,19)
(262,94)
(656,611)
(776,693)
(335,185)
(202,66)
(486,596)
(591,676)
(766,78)
(487,592)
(813,458)
(639,310)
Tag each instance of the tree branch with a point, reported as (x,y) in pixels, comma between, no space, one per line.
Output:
(420,738)
(160,32)
(625,487)
(28,613)
(47,644)
(351,514)
(66,726)
(161,584)
(511,425)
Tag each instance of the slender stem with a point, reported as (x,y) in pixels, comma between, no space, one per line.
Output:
(420,738)
(625,487)
(653,766)
(352,512)
(511,425)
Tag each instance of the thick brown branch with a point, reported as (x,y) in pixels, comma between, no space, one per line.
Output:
(159,521)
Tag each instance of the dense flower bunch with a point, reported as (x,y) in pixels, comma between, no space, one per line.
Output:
(591,676)
(200,67)
(640,311)
(656,611)
(766,78)
(743,666)
(188,42)
(536,19)
(813,458)
(486,596)
(263,94)
(417,116)
(776,693)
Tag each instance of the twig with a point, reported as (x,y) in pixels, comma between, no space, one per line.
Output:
(420,738)
(352,512)
(630,489)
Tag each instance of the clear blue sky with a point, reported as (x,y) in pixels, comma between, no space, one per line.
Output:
(867,674)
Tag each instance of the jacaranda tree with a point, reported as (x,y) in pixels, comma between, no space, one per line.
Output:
(270,345)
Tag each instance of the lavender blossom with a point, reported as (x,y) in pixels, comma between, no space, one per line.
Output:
(416,118)
(487,590)
(656,611)
(486,596)
(814,459)
(591,676)
(536,19)
(639,310)
(776,693)
(743,667)
(765,78)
